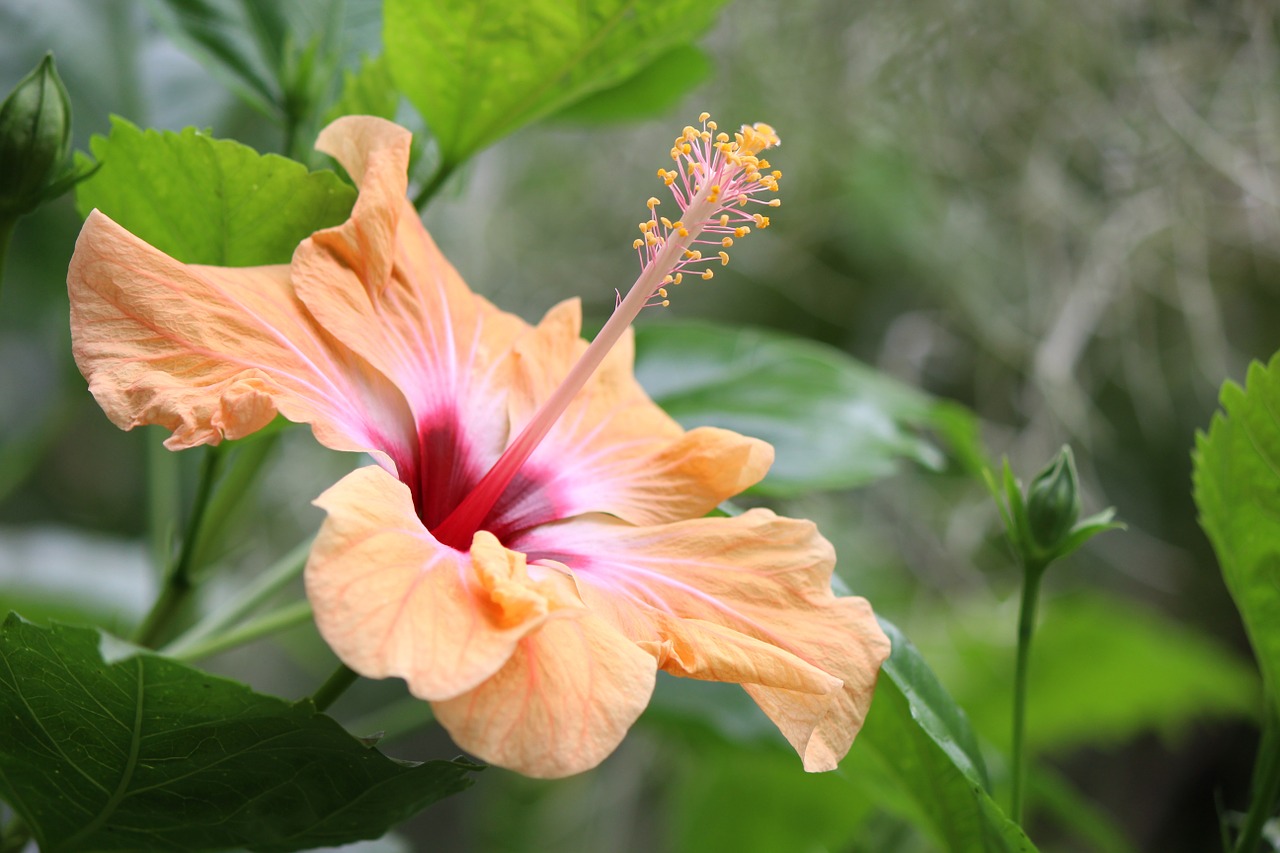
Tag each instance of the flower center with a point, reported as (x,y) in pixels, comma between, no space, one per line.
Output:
(714,181)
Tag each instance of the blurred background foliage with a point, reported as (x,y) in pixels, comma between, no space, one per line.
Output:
(1062,216)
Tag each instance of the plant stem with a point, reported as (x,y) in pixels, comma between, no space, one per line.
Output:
(433,186)
(1026,628)
(342,678)
(6,234)
(248,599)
(177,581)
(288,616)
(1266,784)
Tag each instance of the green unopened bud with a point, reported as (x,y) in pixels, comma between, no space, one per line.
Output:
(1053,502)
(35,139)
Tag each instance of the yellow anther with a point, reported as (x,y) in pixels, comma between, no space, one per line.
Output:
(707,275)
(711,125)
(666,223)
(722,138)
(666,302)
(703,116)
(724,259)
(682,232)
(645,226)
(668,279)
(727,242)
(758,217)
(776,173)
(741,231)
(764,164)
(650,239)
(775,202)
(692,255)
(724,220)
(653,202)
(705,136)
(637,244)
(662,291)
(686,148)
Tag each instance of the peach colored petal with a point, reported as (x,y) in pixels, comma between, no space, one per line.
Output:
(391,601)
(562,703)
(763,581)
(614,450)
(380,285)
(213,353)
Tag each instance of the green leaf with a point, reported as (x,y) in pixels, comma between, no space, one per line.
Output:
(932,708)
(916,758)
(1102,671)
(142,753)
(834,422)
(479,71)
(918,752)
(1237,490)
(759,801)
(368,91)
(209,201)
(656,89)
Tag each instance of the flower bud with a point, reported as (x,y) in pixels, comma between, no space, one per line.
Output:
(35,139)
(1053,502)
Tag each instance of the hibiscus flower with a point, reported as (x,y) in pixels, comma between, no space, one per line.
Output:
(532,545)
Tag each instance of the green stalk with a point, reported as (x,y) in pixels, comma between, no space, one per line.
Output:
(178,581)
(289,616)
(248,599)
(6,234)
(433,186)
(342,678)
(1266,785)
(1026,629)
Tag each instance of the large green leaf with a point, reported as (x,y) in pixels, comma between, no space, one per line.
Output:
(834,422)
(916,758)
(1237,490)
(655,89)
(144,753)
(1102,671)
(209,201)
(758,801)
(479,70)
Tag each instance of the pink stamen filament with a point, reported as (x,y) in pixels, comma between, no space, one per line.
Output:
(457,529)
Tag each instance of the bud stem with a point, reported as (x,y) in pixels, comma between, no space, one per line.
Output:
(1026,629)
(6,234)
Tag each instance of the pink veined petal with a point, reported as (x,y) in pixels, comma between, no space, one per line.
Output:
(745,599)
(391,601)
(614,450)
(213,353)
(561,705)
(380,285)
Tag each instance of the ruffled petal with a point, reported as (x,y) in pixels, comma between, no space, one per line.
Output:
(745,599)
(212,352)
(392,601)
(562,703)
(380,285)
(614,450)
